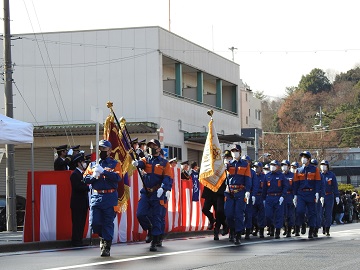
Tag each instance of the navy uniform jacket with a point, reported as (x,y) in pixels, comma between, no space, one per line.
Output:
(275,184)
(79,191)
(157,173)
(307,180)
(61,164)
(108,180)
(330,184)
(239,174)
(290,193)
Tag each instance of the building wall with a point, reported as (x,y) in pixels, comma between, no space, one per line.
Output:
(251,114)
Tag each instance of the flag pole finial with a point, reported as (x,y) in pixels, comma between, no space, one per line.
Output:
(109,104)
(210,113)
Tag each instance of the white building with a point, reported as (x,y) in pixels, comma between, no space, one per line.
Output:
(156,80)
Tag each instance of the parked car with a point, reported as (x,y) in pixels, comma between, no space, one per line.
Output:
(20,212)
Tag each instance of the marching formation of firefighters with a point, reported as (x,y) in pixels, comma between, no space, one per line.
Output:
(287,195)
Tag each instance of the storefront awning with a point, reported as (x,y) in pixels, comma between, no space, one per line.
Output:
(90,129)
(200,137)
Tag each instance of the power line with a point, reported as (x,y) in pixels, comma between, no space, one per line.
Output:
(306,132)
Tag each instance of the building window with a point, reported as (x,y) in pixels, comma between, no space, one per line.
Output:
(259,115)
(246,120)
(249,112)
(245,96)
(174,152)
(256,114)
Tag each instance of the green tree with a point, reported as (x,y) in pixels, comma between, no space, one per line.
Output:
(315,82)
(259,95)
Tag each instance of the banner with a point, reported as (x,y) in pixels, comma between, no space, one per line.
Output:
(212,170)
(119,152)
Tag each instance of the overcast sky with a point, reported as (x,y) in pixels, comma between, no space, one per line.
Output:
(277,41)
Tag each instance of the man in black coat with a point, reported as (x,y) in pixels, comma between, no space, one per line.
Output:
(63,160)
(79,202)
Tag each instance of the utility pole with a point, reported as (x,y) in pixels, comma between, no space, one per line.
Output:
(232,50)
(9,111)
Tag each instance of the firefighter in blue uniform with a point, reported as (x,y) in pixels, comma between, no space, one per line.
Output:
(273,194)
(320,203)
(249,207)
(237,192)
(307,181)
(330,191)
(258,214)
(289,208)
(158,178)
(104,178)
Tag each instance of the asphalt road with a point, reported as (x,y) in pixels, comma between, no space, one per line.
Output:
(339,251)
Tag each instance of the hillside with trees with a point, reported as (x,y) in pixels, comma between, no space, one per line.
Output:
(298,114)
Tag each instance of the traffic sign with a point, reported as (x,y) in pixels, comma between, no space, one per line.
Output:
(166,151)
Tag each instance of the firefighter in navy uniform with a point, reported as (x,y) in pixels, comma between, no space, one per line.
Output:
(158,178)
(273,194)
(237,192)
(289,208)
(75,151)
(104,178)
(79,202)
(307,181)
(331,191)
(258,208)
(63,160)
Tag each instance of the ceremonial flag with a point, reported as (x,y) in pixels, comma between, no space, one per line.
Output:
(120,152)
(212,170)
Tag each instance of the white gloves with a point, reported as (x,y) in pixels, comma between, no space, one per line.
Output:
(337,199)
(247,196)
(281,199)
(98,169)
(82,152)
(316,197)
(160,192)
(90,187)
(295,200)
(70,152)
(135,163)
(167,194)
(253,198)
(96,174)
(264,203)
(322,201)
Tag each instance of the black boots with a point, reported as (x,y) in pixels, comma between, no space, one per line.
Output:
(216,233)
(105,248)
(303,228)
(255,231)
(261,232)
(211,224)
(288,232)
(225,229)
(148,236)
(285,230)
(277,233)
(155,240)
(327,230)
(315,232)
(297,230)
(272,230)
(231,235)
(247,233)
(160,240)
(237,238)
(311,233)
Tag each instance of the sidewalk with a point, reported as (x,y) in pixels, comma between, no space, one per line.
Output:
(12,241)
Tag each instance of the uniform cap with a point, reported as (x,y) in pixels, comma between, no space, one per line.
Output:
(142,142)
(295,164)
(285,162)
(185,162)
(324,162)
(78,158)
(266,166)
(314,162)
(173,160)
(154,141)
(105,143)
(61,147)
(246,157)
(274,162)
(76,147)
(258,164)
(193,164)
(236,147)
(306,154)
(134,141)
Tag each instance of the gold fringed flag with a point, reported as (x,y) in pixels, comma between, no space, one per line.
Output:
(120,152)
(212,170)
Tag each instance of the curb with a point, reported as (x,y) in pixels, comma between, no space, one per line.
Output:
(61,244)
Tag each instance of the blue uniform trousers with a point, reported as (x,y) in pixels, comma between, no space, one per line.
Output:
(102,221)
(248,214)
(274,212)
(258,213)
(289,210)
(150,213)
(306,204)
(319,214)
(234,211)
(328,209)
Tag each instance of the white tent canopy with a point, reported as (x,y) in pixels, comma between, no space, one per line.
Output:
(13,131)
